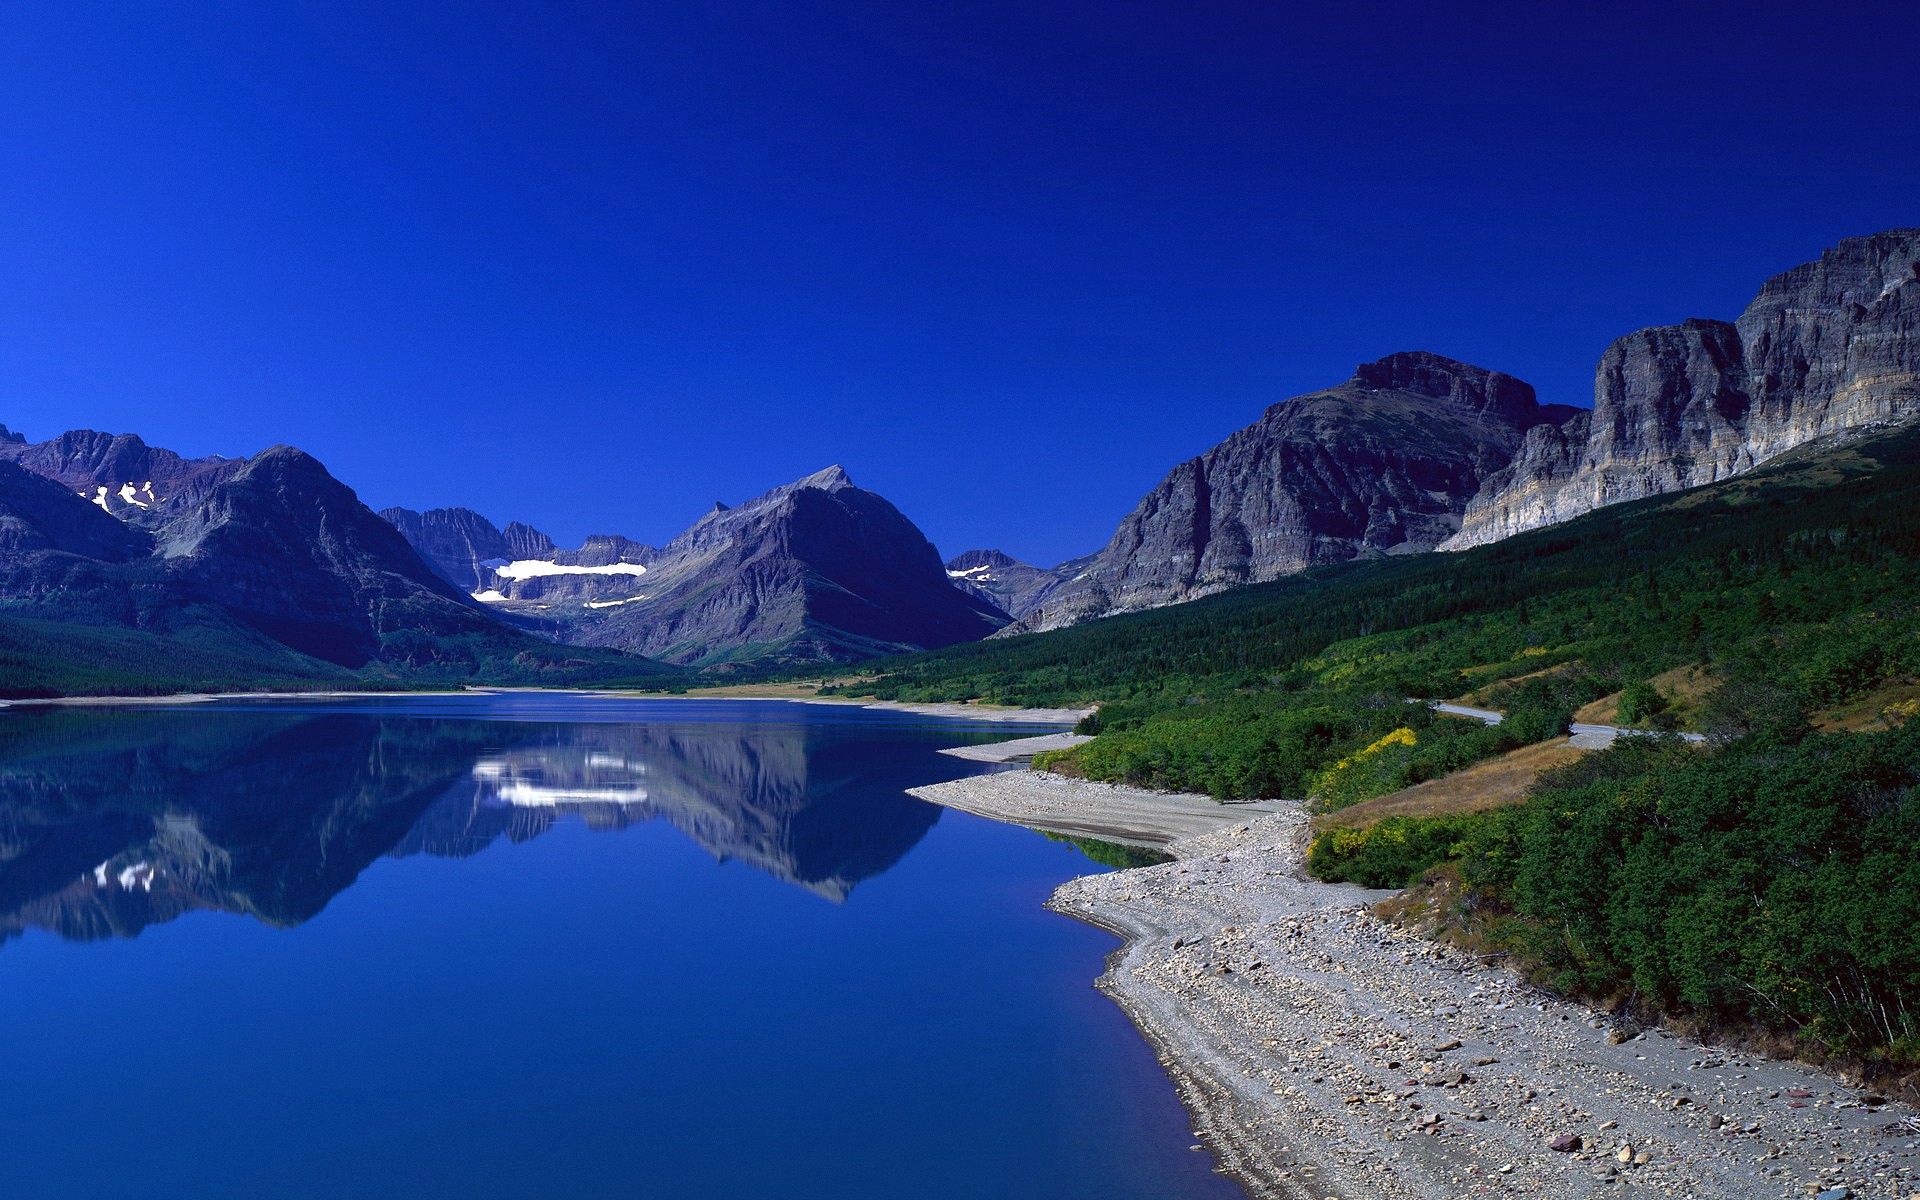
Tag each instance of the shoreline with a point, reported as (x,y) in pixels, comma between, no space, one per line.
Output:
(1324,1054)
(1027,716)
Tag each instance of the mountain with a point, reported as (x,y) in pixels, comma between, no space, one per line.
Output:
(817,570)
(520,562)
(1829,346)
(1382,464)
(117,471)
(1418,452)
(292,552)
(124,565)
(39,517)
(1014,587)
(457,543)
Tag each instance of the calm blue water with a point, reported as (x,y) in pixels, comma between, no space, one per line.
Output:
(532,946)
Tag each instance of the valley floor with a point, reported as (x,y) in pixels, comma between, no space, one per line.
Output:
(1325,1053)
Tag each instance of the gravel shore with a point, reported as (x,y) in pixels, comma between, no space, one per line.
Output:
(1082,809)
(1018,749)
(1325,1053)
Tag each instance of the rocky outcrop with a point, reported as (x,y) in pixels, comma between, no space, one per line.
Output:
(1829,346)
(1382,464)
(1013,587)
(815,570)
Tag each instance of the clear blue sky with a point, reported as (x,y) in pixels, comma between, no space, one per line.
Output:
(594,266)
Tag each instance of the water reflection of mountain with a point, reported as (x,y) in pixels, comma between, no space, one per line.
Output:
(113,821)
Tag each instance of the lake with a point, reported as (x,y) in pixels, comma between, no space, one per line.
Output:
(536,945)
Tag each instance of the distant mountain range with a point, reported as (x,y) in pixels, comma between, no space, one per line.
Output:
(815,570)
(116,554)
(267,563)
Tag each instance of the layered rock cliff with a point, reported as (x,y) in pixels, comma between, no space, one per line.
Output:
(1829,346)
(1382,464)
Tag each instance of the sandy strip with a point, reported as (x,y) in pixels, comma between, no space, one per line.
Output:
(1074,806)
(1018,749)
(1324,1053)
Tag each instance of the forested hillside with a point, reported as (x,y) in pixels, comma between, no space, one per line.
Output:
(1766,880)
(1793,588)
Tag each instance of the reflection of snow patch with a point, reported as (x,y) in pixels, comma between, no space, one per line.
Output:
(533,568)
(527,781)
(140,874)
(490,596)
(519,793)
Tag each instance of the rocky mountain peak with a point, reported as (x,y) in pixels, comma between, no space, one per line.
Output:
(973,560)
(832,479)
(524,541)
(1423,373)
(8,435)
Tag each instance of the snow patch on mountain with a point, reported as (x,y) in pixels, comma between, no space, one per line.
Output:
(533,568)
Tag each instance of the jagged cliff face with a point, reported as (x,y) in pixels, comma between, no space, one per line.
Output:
(456,542)
(1829,346)
(1382,464)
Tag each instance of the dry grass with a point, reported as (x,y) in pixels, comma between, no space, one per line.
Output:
(1491,784)
(1882,708)
(1684,688)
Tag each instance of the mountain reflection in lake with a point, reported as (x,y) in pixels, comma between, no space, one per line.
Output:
(480,947)
(111,822)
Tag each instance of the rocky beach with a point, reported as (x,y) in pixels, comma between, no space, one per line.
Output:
(1326,1054)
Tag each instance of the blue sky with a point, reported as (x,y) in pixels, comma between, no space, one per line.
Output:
(595,266)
